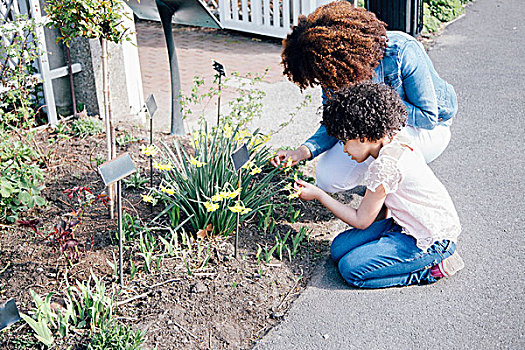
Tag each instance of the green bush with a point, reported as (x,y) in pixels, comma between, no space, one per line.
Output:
(20,178)
(445,10)
(431,24)
(83,127)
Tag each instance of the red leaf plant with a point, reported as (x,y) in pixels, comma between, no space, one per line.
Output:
(62,236)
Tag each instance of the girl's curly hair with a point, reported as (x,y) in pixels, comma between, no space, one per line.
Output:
(335,46)
(364,111)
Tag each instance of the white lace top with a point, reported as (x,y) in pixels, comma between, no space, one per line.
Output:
(416,199)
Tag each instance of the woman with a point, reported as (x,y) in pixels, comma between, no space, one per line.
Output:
(339,45)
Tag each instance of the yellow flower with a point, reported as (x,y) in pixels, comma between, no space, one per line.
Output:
(249,164)
(233,194)
(242,134)
(228,131)
(295,194)
(210,206)
(147,198)
(195,162)
(218,197)
(162,166)
(288,187)
(258,141)
(166,190)
(238,208)
(255,170)
(288,165)
(149,151)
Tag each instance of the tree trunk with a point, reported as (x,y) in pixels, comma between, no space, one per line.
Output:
(70,73)
(108,121)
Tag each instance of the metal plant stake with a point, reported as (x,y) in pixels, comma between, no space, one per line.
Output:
(114,171)
(219,68)
(239,157)
(151,107)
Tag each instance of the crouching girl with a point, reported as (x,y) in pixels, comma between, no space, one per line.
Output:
(416,244)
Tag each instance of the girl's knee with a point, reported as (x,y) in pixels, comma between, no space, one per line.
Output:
(340,245)
(350,272)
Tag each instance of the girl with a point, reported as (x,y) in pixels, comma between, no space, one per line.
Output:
(417,244)
(339,45)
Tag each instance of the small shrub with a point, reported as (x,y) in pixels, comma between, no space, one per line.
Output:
(116,336)
(20,178)
(445,10)
(83,127)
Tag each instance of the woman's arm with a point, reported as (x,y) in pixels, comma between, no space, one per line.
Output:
(420,95)
(361,218)
(315,145)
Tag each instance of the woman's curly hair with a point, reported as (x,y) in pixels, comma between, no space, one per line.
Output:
(335,46)
(364,111)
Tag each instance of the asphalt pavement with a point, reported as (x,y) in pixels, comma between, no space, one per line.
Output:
(482,307)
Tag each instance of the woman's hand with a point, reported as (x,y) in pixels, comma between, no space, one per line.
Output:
(307,190)
(296,156)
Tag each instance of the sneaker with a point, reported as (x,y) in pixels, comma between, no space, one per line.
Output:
(451,265)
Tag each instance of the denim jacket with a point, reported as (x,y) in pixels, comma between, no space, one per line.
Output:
(407,68)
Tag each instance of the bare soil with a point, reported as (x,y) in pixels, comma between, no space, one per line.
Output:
(228,305)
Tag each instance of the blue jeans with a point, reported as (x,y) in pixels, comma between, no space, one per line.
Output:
(382,256)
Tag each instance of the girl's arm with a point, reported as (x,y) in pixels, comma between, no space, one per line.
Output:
(361,218)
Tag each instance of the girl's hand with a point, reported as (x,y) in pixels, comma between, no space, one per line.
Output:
(296,156)
(308,191)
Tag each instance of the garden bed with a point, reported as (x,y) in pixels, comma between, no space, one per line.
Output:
(226,304)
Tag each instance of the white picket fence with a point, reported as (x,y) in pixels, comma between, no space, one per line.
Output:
(266,17)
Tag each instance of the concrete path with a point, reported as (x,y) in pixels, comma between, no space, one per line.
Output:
(482,307)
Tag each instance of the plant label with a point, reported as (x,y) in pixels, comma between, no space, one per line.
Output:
(151,105)
(116,169)
(219,68)
(240,157)
(8,314)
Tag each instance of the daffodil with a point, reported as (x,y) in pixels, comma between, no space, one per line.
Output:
(258,141)
(249,164)
(242,134)
(238,208)
(149,150)
(166,190)
(163,166)
(288,165)
(255,170)
(228,131)
(219,197)
(147,198)
(294,194)
(210,206)
(195,162)
(233,194)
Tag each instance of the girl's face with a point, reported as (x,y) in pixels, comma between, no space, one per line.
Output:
(359,151)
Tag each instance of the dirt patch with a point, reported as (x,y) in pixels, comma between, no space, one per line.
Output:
(229,304)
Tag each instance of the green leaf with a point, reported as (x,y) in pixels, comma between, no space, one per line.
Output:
(40,201)
(24,197)
(6,189)
(43,334)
